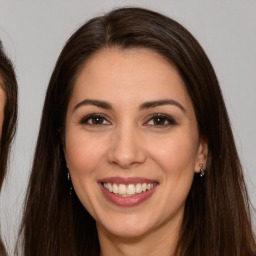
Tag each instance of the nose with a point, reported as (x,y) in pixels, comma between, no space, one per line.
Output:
(126,148)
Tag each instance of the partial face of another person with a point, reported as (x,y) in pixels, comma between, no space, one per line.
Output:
(131,142)
(2,105)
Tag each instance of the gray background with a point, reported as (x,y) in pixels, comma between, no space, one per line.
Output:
(34,33)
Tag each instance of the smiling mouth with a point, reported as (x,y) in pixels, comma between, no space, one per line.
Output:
(128,190)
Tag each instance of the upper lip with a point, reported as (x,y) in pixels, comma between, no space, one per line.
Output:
(126,181)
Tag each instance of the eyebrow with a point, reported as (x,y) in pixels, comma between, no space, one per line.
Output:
(146,105)
(97,103)
(153,104)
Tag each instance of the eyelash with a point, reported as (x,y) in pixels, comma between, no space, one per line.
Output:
(85,120)
(102,118)
(161,117)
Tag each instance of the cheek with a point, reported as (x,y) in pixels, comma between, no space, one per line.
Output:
(83,154)
(176,154)
(175,157)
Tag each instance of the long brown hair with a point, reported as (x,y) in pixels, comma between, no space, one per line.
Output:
(10,116)
(217,213)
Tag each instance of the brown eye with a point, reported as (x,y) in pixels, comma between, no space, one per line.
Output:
(94,120)
(160,120)
(97,120)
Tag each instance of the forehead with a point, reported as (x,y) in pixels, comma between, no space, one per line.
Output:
(126,79)
(127,71)
(116,59)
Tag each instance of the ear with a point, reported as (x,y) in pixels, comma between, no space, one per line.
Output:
(202,155)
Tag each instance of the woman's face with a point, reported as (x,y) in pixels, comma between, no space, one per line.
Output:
(2,105)
(131,142)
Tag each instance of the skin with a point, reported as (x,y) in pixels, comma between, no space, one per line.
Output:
(2,104)
(128,143)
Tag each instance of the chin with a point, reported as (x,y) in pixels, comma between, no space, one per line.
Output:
(127,228)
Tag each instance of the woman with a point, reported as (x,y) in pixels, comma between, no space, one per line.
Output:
(8,115)
(135,153)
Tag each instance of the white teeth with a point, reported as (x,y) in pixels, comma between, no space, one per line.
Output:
(115,188)
(138,188)
(109,188)
(122,189)
(128,190)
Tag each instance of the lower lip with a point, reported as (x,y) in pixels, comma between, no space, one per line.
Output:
(127,201)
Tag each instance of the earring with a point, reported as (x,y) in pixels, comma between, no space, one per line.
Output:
(202,170)
(70,188)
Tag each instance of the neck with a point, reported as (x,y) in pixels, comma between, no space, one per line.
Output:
(162,242)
